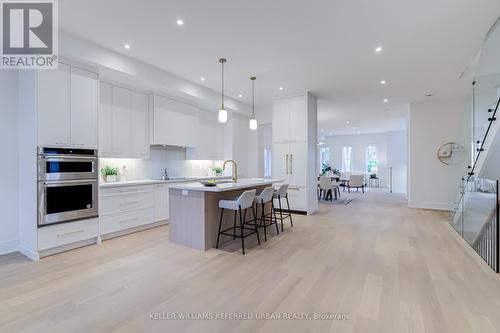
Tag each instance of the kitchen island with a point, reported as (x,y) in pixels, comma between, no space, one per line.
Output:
(195,213)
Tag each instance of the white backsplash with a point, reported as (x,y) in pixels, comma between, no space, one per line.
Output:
(171,158)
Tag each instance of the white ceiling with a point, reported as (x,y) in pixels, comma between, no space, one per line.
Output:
(323,46)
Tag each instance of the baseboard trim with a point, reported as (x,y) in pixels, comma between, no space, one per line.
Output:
(8,246)
(29,253)
(430,205)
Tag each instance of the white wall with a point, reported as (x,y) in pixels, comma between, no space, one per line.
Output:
(431,184)
(391,152)
(8,161)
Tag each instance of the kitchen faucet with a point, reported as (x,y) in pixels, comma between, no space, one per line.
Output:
(234,176)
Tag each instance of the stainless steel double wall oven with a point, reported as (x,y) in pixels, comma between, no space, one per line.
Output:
(67,185)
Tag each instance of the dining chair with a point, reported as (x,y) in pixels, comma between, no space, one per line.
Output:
(356,181)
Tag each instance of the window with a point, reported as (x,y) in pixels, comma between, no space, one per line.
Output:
(371,159)
(347,159)
(267,163)
(324,157)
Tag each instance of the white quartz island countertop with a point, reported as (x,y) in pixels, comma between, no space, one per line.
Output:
(159,181)
(225,185)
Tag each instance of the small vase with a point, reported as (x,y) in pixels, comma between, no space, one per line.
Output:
(110,178)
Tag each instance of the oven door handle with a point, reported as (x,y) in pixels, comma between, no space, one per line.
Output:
(68,157)
(69,182)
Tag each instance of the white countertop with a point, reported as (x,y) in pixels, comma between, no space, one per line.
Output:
(241,183)
(159,181)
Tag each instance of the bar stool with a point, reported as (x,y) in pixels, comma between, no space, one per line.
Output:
(244,202)
(282,193)
(265,197)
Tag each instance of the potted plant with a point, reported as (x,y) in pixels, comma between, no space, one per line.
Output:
(109,173)
(217,170)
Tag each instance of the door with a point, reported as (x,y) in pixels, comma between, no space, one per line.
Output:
(298,118)
(106,121)
(140,125)
(54,107)
(280,161)
(298,164)
(281,121)
(83,108)
(121,126)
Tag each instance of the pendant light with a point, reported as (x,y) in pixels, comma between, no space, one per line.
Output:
(222,110)
(253,121)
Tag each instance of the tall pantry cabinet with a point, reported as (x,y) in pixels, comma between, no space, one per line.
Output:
(294,156)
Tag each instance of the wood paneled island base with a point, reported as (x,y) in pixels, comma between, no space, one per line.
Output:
(195,212)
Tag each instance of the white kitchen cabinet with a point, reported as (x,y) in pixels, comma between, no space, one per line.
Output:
(281,121)
(161,202)
(105,120)
(140,125)
(67,107)
(298,118)
(53,236)
(209,139)
(54,106)
(128,207)
(174,123)
(123,122)
(121,126)
(294,156)
(83,108)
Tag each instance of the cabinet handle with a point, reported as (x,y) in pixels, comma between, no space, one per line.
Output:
(291,164)
(129,220)
(70,233)
(129,203)
(286,164)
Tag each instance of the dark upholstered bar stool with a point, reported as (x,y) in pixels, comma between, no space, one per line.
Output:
(279,194)
(244,202)
(266,220)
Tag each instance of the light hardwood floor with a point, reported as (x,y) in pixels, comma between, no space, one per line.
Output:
(393,269)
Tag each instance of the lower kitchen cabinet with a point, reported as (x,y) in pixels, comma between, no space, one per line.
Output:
(161,203)
(57,235)
(128,207)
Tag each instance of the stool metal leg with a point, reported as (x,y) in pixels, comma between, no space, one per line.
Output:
(281,213)
(275,217)
(234,228)
(289,212)
(255,225)
(220,226)
(262,219)
(242,238)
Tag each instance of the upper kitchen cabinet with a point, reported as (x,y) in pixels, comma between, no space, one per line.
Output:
(54,106)
(67,107)
(83,108)
(174,123)
(289,119)
(209,139)
(123,122)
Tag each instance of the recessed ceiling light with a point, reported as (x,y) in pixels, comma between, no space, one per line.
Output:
(386,100)
(127,46)
(202,79)
(281,88)
(383,82)
(180,22)
(378,49)
(348,122)
(240,96)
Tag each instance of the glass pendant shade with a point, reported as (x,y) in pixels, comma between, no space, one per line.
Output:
(253,124)
(222,116)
